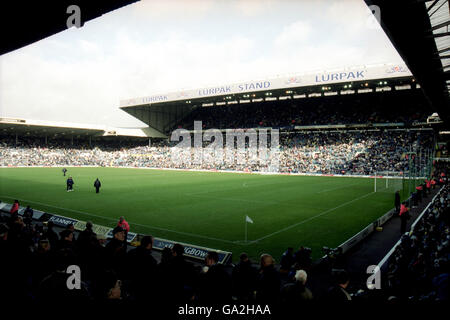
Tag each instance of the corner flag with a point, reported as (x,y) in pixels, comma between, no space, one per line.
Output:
(247,219)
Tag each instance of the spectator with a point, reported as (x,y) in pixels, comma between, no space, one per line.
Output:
(303,258)
(124,225)
(244,277)
(87,236)
(43,262)
(54,287)
(297,292)
(116,250)
(183,274)
(268,283)
(28,215)
(287,260)
(108,287)
(216,286)
(51,235)
(66,241)
(404,217)
(397,202)
(337,292)
(418,268)
(141,270)
(71,228)
(15,207)
(165,282)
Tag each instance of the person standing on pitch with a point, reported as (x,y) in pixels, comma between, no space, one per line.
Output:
(97,185)
(70,184)
(64,170)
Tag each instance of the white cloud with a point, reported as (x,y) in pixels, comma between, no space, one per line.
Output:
(80,75)
(294,34)
(252,8)
(176,9)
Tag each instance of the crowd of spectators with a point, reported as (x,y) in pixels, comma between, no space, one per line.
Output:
(419,268)
(356,152)
(323,152)
(404,107)
(38,265)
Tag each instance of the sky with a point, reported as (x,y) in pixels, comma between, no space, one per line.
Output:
(159,46)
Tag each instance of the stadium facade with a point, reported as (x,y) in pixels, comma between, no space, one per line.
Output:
(162,111)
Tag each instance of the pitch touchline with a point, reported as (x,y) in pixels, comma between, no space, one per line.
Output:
(309,219)
(132,223)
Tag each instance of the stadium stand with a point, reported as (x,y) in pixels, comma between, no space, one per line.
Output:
(418,269)
(324,152)
(397,107)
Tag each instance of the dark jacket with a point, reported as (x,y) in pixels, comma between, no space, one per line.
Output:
(141,272)
(216,285)
(97,184)
(182,275)
(287,260)
(397,199)
(116,251)
(337,293)
(54,288)
(52,237)
(294,293)
(268,285)
(244,277)
(28,215)
(86,238)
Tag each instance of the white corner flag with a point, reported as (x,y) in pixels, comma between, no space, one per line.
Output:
(247,219)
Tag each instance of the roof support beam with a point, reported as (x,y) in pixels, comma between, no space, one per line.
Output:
(437,35)
(440,25)
(443,2)
(432,5)
(443,50)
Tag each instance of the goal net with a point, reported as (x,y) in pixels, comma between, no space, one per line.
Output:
(389,181)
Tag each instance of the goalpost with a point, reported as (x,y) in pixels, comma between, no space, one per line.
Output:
(389,181)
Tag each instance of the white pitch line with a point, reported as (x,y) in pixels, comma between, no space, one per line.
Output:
(132,223)
(341,187)
(232,199)
(309,219)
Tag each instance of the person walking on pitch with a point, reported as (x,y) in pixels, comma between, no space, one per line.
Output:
(97,185)
(70,184)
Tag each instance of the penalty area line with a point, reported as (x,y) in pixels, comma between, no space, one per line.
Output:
(132,223)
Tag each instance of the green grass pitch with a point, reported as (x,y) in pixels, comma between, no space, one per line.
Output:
(207,208)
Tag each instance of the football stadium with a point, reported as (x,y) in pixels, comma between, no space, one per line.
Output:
(315,186)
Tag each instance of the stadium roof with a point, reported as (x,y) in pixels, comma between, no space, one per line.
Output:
(22,23)
(418,30)
(321,77)
(439,13)
(162,111)
(65,129)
